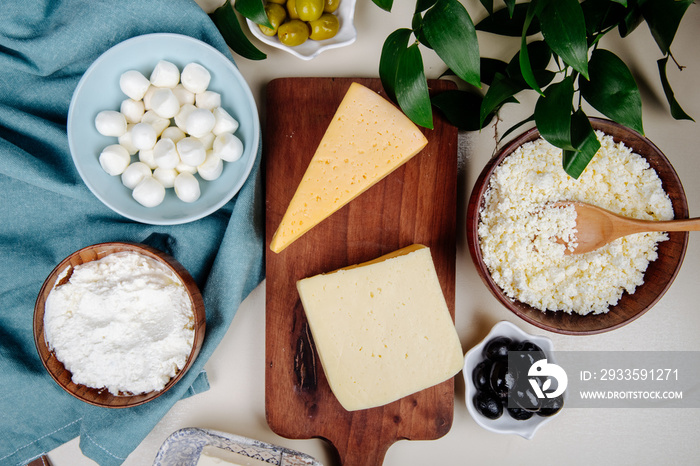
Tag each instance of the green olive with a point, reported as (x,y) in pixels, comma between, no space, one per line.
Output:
(293,33)
(329,6)
(276,14)
(280,2)
(309,10)
(324,27)
(292,9)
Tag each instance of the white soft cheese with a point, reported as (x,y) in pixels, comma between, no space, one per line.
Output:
(516,227)
(124,322)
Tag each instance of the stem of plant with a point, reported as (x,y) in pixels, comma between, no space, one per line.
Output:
(680,67)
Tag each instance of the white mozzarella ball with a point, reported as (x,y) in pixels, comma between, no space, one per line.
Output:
(134,174)
(132,110)
(192,151)
(114,159)
(110,123)
(183,95)
(225,123)
(211,168)
(146,156)
(143,136)
(187,187)
(208,99)
(173,133)
(149,192)
(165,154)
(158,122)
(199,122)
(195,78)
(184,168)
(134,84)
(148,96)
(166,176)
(165,74)
(228,147)
(207,140)
(181,117)
(164,103)
(125,141)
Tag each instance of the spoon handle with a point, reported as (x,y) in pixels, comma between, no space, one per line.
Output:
(689,224)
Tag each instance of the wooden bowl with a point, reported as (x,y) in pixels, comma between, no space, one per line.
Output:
(102,397)
(658,276)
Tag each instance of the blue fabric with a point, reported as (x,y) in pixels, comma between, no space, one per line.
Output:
(47,212)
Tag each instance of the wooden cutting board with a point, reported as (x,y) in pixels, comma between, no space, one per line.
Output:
(414,204)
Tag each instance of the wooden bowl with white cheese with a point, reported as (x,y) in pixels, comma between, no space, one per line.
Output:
(655,280)
(118,324)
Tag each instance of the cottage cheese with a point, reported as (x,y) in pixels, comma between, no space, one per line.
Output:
(516,227)
(124,322)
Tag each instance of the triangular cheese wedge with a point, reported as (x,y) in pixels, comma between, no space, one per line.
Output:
(367,139)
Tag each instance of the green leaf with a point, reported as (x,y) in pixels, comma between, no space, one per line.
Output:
(601,15)
(510,5)
(539,55)
(564,29)
(422,5)
(621,2)
(612,90)
(412,88)
(676,111)
(254,10)
(226,22)
(523,55)
(553,113)
(457,45)
(461,108)
(384,4)
(663,18)
(417,26)
(489,67)
(501,90)
(632,19)
(585,142)
(488,4)
(394,46)
(506,23)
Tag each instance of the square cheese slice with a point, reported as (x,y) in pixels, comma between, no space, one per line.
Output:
(367,139)
(382,329)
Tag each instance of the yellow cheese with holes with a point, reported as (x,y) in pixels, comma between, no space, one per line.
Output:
(382,329)
(367,139)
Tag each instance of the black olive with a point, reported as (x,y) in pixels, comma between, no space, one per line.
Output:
(524,396)
(551,406)
(481,375)
(536,353)
(488,405)
(520,414)
(497,348)
(501,379)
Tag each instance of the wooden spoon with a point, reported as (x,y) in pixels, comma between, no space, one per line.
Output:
(597,227)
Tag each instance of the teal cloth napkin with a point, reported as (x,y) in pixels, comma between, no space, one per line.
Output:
(47,212)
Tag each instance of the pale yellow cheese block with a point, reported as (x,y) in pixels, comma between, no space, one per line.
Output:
(367,139)
(382,329)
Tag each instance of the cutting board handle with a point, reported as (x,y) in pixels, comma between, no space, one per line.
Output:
(368,454)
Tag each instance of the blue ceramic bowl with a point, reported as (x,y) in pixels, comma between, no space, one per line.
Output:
(99,90)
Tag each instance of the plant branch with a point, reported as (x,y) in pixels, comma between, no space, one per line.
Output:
(680,67)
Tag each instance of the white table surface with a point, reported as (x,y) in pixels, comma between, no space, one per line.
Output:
(235,402)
